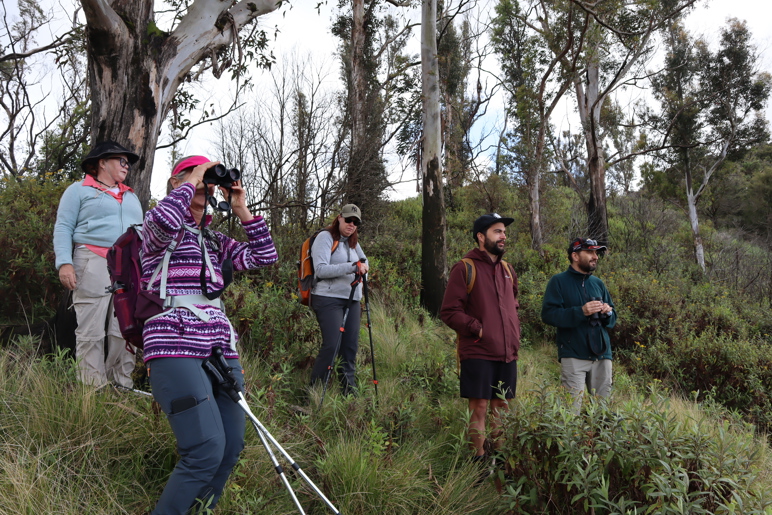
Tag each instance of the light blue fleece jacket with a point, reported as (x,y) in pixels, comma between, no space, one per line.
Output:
(90,216)
(334,273)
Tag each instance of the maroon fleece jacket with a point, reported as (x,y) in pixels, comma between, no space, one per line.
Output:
(491,306)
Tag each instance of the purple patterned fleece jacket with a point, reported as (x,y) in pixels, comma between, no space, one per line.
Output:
(179,333)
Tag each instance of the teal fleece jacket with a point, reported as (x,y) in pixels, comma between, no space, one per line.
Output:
(90,216)
(564,297)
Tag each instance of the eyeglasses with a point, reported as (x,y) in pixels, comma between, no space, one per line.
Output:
(352,220)
(121,161)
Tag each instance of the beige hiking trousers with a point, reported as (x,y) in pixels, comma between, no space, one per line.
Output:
(92,303)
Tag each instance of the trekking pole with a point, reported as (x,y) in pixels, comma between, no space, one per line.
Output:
(226,381)
(370,330)
(132,390)
(354,284)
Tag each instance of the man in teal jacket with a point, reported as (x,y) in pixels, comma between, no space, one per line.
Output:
(580,307)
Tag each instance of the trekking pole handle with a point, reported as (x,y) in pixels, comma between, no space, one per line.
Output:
(225,370)
(358,274)
(223,383)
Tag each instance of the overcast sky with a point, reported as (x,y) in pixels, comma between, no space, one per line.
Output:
(303,30)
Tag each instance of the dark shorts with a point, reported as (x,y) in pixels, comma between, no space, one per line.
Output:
(483,379)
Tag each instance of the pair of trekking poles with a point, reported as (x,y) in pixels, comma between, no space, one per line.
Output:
(226,382)
(357,279)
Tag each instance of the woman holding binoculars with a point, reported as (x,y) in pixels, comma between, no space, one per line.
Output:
(209,427)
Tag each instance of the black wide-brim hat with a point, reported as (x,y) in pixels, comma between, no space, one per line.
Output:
(108,148)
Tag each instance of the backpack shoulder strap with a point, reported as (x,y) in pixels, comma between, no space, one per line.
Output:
(510,270)
(163,266)
(313,238)
(470,273)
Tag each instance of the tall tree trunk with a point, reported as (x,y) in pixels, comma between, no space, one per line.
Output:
(358,74)
(433,255)
(534,199)
(691,203)
(135,69)
(590,103)
(366,173)
(694,223)
(126,97)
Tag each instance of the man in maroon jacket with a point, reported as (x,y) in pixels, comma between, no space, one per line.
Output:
(481,305)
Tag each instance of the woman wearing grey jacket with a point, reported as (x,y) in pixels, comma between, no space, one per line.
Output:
(335,269)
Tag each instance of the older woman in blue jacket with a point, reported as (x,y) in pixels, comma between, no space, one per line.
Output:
(92,214)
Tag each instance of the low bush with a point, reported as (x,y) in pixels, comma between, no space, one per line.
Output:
(28,279)
(640,456)
(735,372)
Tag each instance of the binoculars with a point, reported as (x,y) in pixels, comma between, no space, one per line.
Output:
(595,318)
(221,176)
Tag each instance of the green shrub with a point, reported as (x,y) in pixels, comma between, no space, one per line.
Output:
(639,457)
(28,279)
(733,371)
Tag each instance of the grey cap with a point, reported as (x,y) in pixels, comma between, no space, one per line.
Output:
(351,210)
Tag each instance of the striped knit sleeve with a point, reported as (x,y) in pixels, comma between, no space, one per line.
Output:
(164,222)
(259,251)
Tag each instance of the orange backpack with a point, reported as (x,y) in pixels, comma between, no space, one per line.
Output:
(306,268)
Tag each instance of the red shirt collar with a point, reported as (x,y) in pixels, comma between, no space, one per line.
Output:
(90,180)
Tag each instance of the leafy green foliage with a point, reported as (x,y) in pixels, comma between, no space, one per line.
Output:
(28,279)
(638,456)
(733,372)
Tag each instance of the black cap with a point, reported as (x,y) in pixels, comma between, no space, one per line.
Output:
(106,149)
(485,221)
(578,244)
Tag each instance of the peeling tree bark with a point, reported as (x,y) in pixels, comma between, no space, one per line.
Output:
(135,69)
(590,101)
(433,256)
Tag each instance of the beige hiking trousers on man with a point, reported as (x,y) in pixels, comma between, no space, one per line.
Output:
(578,375)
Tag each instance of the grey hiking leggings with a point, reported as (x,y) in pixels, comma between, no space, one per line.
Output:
(329,314)
(209,428)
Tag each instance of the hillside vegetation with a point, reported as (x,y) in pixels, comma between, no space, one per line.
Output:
(685,431)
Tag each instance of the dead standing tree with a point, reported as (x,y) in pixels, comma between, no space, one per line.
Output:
(135,69)
(433,255)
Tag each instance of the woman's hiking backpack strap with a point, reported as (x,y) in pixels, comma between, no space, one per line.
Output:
(470,275)
(132,304)
(306,268)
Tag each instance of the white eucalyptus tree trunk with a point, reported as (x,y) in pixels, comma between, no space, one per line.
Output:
(433,260)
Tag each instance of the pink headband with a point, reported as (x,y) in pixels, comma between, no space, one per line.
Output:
(187,163)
